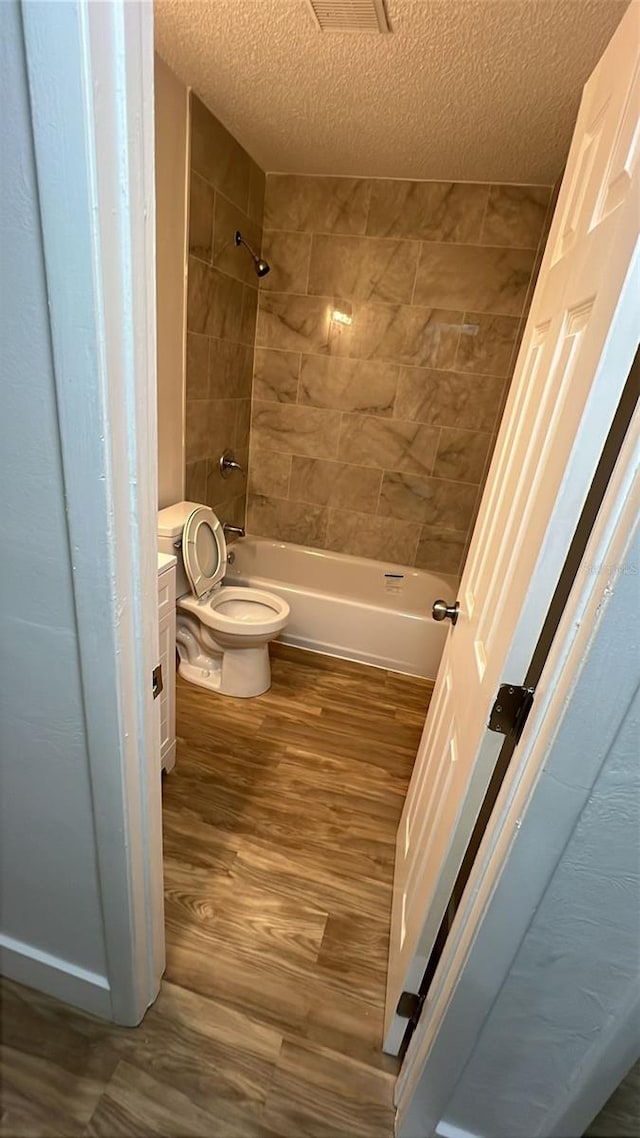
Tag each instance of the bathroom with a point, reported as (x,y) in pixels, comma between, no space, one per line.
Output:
(330,384)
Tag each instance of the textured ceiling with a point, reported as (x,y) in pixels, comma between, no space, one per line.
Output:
(477,90)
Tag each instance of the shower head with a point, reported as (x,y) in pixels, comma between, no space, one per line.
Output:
(261,267)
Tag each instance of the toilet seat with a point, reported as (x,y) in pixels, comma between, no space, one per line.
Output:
(242,612)
(204,551)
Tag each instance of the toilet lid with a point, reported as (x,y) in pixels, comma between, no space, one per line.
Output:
(204,550)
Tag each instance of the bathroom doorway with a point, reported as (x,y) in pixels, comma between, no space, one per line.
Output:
(259,382)
(281,808)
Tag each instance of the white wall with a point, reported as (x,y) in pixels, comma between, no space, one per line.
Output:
(50,905)
(171,108)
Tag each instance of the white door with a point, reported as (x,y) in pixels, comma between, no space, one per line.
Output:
(578,346)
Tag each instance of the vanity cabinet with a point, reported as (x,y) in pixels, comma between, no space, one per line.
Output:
(167,628)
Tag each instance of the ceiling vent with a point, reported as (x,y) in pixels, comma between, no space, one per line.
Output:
(349,15)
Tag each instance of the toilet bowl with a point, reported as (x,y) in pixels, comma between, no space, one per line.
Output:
(222,632)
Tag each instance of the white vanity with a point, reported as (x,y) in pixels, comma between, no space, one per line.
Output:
(167,629)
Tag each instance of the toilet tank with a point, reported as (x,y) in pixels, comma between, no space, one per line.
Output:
(171,523)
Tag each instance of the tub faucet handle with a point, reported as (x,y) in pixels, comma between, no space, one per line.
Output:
(228,464)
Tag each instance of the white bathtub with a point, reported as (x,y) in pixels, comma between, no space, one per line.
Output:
(372,611)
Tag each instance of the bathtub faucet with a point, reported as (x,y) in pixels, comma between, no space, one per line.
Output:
(239,531)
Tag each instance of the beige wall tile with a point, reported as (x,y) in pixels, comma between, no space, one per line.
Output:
(399,334)
(269,473)
(221,426)
(348,385)
(221,314)
(461,455)
(448,399)
(389,444)
(200,217)
(318,205)
(230,365)
(293,323)
(431,501)
(288,254)
(257,183)
(473,277)
(217,156)
(243,424)
(230,510)
(515,215)
(198,298)
(197,429)
(298,522)
(214,303)
(249,314)
(390,408)
(335,484)
(363,268)
(288,428)
(196,481)
(487,343)
(425,337)
(221,489)
(362,535)
(428,211)
(227,256)
(440,550)
(276,375)
(197,371)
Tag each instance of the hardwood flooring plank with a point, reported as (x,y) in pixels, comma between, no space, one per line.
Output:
(303,875)
(345,1023)
(136,1105)
(22,1116)
(62,1093)
(275,993)
(321,1094)
(280,823)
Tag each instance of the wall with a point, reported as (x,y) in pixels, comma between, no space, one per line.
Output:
(226,193)
(171,103)
(385,341)
(51,911)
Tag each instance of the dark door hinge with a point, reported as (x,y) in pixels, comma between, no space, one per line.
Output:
(409,1007)
(156,681)
(510,711)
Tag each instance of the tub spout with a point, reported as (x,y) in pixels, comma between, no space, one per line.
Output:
(239,531)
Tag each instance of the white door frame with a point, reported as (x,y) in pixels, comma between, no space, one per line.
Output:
(509,877)
(90,69)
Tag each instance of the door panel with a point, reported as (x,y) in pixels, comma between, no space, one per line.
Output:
(564,393)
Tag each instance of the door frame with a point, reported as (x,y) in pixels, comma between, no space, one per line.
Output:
(90,73)
(501,893)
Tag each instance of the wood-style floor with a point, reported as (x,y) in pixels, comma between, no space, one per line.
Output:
(279,830)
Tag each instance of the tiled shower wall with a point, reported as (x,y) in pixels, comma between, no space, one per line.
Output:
(226,193)
(385,341)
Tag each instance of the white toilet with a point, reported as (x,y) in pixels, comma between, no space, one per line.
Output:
(222,633)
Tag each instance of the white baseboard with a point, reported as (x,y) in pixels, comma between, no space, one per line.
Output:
(446,1130)
(59,978)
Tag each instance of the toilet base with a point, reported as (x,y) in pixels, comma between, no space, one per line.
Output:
(242,673)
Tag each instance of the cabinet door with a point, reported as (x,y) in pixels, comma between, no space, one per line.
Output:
(167,698)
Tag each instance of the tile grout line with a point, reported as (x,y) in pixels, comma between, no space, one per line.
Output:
(404,239)
(330,300)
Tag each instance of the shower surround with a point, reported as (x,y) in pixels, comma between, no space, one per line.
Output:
(226,193)
(386,337)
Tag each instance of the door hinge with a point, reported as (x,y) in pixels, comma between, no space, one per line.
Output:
(409,1007)
(156,681)
(510,711)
